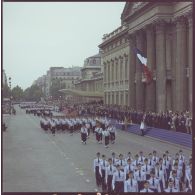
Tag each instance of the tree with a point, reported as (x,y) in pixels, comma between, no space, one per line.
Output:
(33,93)
(17,93)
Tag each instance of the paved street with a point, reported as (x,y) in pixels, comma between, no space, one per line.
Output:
(37,161)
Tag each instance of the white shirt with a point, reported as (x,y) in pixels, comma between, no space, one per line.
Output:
(188,174)
(84,130)
(176,183)
(126,168)
(155,185)
(122,163)
(117,178)
(105,133)
(141,176)
(130,186)
(110,170)
(96,163)
(143,168)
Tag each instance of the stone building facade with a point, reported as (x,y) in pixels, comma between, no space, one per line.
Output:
(67,77)
(163,32)
(91,81)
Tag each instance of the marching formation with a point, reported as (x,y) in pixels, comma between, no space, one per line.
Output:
(141,173)
(101,127)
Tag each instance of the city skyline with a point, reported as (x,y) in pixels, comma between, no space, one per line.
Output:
(32,43)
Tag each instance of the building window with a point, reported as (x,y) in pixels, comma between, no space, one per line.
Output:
(126,67)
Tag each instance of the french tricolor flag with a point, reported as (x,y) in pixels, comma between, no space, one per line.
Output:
(143,61)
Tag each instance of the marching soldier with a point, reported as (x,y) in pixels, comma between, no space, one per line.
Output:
(130,184)
(110,169)
(118,180)
(103,166)
(146,187)
(170,187)
(146,168)
(84,133)
(106,135)
(140,176)
(154,182)
(121,162)
(96,166)
(128,168)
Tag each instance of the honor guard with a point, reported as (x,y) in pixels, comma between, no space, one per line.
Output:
(96,166)
(112,131)
(146,187)
(103,166)
(140,176)
(110,169)
(121,162)
(146,168)
(154,182)
(106,135)
(118,180)
(114,159)
(128,168)
(130,184)
(160,175)
(141,158)
(176,181)
(170,187)
(84,133)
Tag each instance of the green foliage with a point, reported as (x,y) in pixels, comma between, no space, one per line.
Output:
(17,93)
(33,93)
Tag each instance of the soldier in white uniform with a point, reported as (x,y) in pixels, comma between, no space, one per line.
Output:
(84,133)
(154,182)
(140,176)
(141,158)
(118,180)
(128,168)
(130,184)
(121,162)
(96,168)
(112,131)
(160,175)
(114,159)
(110,169)
(146,168)
(106,135)
(170,187)
(103,166)
(175,179)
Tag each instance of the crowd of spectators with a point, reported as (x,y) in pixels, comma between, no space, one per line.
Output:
(177,121)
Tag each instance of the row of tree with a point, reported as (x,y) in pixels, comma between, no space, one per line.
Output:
(33,93)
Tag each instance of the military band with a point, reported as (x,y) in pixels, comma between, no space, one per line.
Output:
(131,175)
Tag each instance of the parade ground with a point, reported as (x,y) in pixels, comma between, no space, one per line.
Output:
(36,161)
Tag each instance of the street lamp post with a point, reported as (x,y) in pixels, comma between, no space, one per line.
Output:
(10,86)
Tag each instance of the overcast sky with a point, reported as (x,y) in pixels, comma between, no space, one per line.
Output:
(37,36)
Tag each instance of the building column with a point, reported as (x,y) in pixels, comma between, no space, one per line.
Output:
(132,71)
(190,51)
(181,65)
(139,84)
(160,67)
(150,89)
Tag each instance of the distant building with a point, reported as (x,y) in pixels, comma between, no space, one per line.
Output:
(89,86)
(66,76)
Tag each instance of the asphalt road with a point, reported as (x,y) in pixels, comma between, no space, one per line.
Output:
(35,161)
